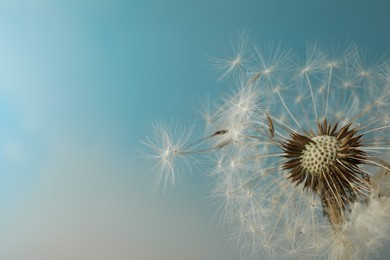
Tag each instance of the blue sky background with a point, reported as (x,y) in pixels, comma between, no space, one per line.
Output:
(81,83)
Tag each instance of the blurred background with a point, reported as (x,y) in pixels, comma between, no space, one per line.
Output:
(81,82)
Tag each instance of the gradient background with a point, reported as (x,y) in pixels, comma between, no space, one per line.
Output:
(81,81)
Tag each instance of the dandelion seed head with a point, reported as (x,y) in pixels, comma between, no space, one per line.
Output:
(300,152)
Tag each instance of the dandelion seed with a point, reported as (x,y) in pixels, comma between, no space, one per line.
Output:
(235,64)
(169,149)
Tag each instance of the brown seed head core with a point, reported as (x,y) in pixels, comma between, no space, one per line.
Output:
(328,163)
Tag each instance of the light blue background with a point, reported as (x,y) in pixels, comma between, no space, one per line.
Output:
(80,84)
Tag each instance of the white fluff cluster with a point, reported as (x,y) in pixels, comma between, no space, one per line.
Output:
(276,94)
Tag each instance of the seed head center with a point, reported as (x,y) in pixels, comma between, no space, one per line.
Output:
(320,154)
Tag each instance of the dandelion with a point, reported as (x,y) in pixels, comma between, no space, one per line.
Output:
(302,155)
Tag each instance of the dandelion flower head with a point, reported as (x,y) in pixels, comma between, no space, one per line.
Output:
(300,151)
